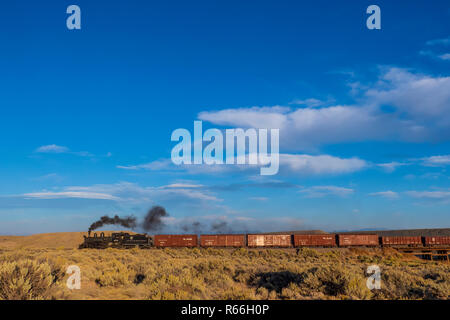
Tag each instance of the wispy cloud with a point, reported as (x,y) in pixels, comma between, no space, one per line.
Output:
(126,192)
(152,166)
(321,164)
(323,191)
(255,184)
(431,161)
(442,41)
(435,161)
(53,148)
(254,117)
(259,198)
(392,166)
(49,177)
(181,185)
(294,163)
(385,194)
(439,44)
(312,102)
(434,55)
(438,195)
(71,194)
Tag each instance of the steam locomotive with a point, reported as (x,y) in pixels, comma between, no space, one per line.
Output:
(144,241)
(117,240)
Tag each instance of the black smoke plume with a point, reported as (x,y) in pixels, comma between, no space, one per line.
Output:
(152,220)
(221,227)
(194,227)
(127,222)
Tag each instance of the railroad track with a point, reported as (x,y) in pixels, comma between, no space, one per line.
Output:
(428,253)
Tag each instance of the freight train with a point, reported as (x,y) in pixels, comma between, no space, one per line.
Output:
(126,240)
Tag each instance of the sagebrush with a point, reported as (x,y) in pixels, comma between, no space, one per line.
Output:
(219,274)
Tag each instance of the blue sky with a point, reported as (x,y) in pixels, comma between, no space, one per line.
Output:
(87,115)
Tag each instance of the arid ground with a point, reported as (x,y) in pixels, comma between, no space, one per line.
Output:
(33,267)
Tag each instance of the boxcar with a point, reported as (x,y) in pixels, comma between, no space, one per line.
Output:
(401,241)
(346,240)
(222,240)
(322,240)
(175,240)
(269,240)
(437,241)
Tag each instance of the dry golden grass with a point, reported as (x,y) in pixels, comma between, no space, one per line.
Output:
(28,272)
(43,240)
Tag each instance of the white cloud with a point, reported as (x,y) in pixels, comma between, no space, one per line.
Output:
(418,97)
(385,194)
(52,148)
(420,112)
(181,185)
(442,196)
(167,164)
(152,166)
(434,55)
(311,102)
(259,198)
(436,160)
(255,117)
(293,163)
(432,161)
(391,166)
(71,194)
(320,164)
(126,192)
(443,41)
(303,128)
(49,177)
(323,191)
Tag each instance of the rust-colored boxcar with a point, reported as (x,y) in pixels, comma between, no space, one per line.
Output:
(269,240)
(346,240)
(222,240)
(322,240)
(401,241)
(437,241)
(175,240)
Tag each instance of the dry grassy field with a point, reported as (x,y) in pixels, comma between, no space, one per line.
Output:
(34,268)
